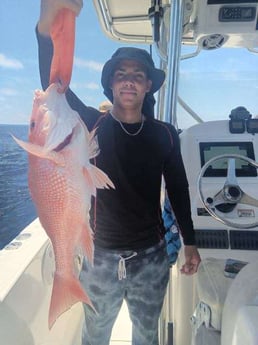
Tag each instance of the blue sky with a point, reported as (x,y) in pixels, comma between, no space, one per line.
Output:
(20,77)
(19,59)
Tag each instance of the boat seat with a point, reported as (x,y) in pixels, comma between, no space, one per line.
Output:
(240,314)
(212,289)
(228,309)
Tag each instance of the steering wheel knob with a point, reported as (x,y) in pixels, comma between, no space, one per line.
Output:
(232,193)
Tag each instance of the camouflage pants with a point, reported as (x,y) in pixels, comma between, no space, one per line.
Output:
(140,278)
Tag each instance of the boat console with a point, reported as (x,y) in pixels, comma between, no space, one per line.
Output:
(222,298)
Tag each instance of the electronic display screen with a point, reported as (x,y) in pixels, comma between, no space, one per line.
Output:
(237,13)
(218,168)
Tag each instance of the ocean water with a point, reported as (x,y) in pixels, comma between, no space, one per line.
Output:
(16,207)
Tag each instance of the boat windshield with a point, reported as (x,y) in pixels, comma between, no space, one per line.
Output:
(215,82)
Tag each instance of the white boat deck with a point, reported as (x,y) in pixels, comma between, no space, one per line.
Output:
(25,290)
(122,331)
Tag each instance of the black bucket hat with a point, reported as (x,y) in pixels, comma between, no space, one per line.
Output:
(157,76)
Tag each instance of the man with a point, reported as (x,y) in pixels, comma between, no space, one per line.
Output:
(130,260)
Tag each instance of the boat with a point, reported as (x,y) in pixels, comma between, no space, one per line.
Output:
(219,304)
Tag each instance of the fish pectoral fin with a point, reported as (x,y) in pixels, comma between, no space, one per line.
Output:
(40,152)
(65,293)
(97,178)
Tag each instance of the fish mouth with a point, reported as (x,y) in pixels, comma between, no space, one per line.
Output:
(64,143)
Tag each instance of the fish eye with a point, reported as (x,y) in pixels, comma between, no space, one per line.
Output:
(32,125)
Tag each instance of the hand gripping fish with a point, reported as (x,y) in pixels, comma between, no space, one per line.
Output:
(62,181)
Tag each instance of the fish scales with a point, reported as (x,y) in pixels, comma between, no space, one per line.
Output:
(62,181)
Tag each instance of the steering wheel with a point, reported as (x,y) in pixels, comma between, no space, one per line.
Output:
(230,195)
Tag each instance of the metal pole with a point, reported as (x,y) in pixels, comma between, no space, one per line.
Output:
(174,51)
(171,95)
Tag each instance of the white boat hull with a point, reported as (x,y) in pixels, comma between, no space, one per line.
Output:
(25,291)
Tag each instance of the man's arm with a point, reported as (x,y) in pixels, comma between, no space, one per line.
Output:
(48,11)
(177,189)
(178,193)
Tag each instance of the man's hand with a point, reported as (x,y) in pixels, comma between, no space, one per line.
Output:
(49,10)
(192,260)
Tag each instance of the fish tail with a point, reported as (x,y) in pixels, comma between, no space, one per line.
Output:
(66,292)
(63,38)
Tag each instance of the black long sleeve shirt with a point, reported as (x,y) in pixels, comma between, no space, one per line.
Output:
(129,216)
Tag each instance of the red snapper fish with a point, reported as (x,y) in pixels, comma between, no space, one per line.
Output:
(62,181)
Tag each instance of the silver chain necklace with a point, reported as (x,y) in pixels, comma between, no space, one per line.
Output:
(125,130)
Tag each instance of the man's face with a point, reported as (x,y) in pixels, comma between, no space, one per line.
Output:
(129,84)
